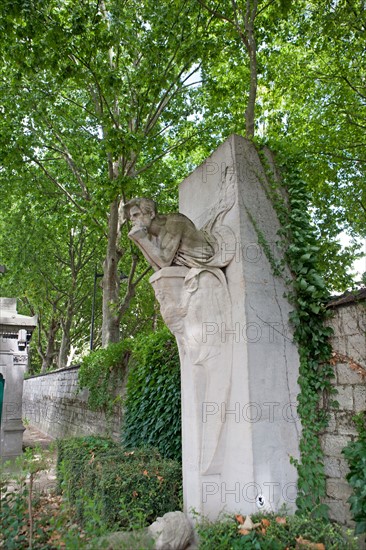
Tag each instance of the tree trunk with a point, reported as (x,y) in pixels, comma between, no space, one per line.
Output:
(250,109)
(110,326)
(66,340)
(47,358)
(251,47)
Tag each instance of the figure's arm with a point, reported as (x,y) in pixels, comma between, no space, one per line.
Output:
(161,256)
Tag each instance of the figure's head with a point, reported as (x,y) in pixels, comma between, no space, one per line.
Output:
(140,211)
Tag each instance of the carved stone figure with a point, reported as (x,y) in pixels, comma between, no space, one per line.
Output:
(170,239)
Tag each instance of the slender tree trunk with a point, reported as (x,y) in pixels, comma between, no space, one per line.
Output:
(66,340)
(250,109)
(47,358)
(110,326)
(251,46)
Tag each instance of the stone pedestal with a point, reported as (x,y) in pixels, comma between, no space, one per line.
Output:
(239,363)
(15,332)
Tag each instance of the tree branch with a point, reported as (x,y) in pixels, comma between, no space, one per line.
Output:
(58,184)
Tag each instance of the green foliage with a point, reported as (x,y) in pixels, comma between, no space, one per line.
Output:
(115,488)
(100,370)
(313,101)
(19,527)
(355,454)
(153,402)
(309,295)
(224,534)
(13,515)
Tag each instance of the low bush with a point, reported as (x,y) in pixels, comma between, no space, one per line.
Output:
(275,533)
(114,487)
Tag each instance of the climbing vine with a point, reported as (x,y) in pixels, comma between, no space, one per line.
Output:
(100,371)
(355,454)
(153,400)
(308,293)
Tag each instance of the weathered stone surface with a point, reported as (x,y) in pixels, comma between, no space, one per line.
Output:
(332,467)
(173,531)
(345,424)
(334,444)
(349,325)
(338,489)
(346,375)
(259,427)
(344,397)
(349,340)
(332,424)
(359,394)
(53,404)
(338,511)
(15,330)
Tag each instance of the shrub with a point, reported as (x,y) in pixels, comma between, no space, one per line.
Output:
(275,533)
(355,454)
(153,402)
(115,487)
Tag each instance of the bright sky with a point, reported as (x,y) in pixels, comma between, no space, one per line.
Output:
(359,266)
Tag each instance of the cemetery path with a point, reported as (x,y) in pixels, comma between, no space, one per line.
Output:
(45,481)
(34,438)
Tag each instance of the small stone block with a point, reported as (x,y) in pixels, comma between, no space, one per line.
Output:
(359,393)
(345,423)
(344,398)
(338,489)
(346,375)
(334,444)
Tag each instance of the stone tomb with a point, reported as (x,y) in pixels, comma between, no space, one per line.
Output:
(239,364)
(15,333)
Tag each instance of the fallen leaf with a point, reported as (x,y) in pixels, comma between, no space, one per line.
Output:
(239,518)
(281,521)
(248,524)
(135,494)
(265,522)
(304,544)
(244,531)
(145,473)
(160,478)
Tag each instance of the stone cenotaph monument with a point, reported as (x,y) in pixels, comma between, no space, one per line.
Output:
(15,333)
(215,281)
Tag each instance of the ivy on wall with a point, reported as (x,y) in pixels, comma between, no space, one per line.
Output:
(101,371)
(308,293)
(152,406)
(355,454)
(153,401)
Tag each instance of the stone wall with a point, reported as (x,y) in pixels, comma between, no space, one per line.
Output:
(349,361)
(54,404)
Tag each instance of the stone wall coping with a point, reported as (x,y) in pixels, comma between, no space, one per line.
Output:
(347,298)
(65,369)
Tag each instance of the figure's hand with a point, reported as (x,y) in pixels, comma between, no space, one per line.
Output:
(138,232)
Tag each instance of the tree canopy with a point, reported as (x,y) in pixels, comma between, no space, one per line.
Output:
(102,100)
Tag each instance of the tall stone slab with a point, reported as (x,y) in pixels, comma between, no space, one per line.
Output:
(239,417)
(15,333)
